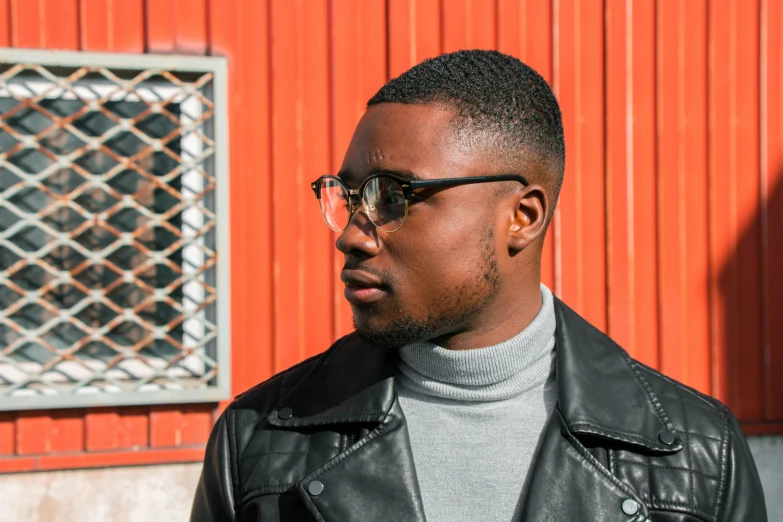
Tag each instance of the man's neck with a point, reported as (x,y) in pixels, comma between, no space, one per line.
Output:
(510,312)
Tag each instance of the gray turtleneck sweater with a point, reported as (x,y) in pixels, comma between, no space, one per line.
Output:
(475,417)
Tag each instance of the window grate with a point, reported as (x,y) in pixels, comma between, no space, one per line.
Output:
(113,234)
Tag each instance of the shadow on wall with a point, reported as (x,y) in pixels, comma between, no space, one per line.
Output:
(748,340)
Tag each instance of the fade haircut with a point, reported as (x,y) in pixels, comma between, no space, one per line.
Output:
(501,103)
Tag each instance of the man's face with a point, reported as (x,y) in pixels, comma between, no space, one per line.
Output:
(437,275)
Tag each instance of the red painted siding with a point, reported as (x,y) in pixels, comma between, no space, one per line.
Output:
(669,232)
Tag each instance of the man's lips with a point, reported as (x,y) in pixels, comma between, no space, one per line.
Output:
(361,287)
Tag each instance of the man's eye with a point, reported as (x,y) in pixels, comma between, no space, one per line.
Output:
(414,198)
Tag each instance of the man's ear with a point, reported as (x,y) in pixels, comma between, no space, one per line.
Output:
(528,222)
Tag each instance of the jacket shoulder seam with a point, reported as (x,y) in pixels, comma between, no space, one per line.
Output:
(708,409)
(710,406)
(280,375)
(723,464)
(651,396)
(233,452)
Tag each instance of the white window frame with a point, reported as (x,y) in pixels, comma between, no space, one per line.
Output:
(219,387)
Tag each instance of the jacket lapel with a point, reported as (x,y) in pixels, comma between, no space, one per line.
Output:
(352,382)
(601,394)
(601,391)
(566,483)
(375,478)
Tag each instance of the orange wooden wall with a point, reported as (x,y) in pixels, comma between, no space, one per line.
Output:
(669,233)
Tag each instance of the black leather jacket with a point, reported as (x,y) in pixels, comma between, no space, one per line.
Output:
(326,440)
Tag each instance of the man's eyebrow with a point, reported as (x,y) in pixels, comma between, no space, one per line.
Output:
(348,176)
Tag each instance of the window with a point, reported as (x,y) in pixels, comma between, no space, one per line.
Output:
(113,230)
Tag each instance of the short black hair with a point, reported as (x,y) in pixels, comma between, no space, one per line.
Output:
(492,93)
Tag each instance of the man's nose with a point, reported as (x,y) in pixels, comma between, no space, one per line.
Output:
(359,237)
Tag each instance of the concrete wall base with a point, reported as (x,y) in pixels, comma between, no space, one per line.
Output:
(768,454)
(132,494)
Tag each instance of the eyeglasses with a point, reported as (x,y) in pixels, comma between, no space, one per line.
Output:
(384,197)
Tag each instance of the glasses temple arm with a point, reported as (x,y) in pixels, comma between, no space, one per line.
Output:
(452,182)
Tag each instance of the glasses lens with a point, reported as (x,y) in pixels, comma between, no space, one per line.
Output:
(334,204)
(384,202)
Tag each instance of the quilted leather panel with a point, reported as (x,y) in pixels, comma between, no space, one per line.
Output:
(686,481)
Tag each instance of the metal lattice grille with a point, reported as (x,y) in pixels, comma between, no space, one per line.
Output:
(107,233)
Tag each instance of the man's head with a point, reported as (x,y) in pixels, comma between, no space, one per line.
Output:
(466,260)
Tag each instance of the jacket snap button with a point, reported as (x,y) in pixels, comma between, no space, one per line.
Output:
(315,488)
(285,413)
(667,437)
(630,506)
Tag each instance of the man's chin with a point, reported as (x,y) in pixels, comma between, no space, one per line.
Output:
(393,334)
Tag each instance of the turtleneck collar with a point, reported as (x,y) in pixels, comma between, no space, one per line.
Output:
(484,374)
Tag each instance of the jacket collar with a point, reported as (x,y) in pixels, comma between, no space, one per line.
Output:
(601,391)
(353,381)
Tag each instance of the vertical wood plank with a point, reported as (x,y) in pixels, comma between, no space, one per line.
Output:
(734,199)
(694,223)
(402,37)
(161,20)
(96,29)
(196,424)
(580,230)
(565,222)
(5,23)
(744,129)
(772,203)
(254,77)
(469,24)
(318,287)
(191,23)
(26,24)
(414,33)
(61,24)
(7,433)
(67,431)
(619,208)
(456,25)
(359,67)
(165,426)
(537,42)
(127,26)
(723,222)
(682,185)
(241,33)
(101,429)
(643,295)
(287,90)
(33,432)
(133,428)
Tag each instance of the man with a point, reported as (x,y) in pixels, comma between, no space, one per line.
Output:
(468,392)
